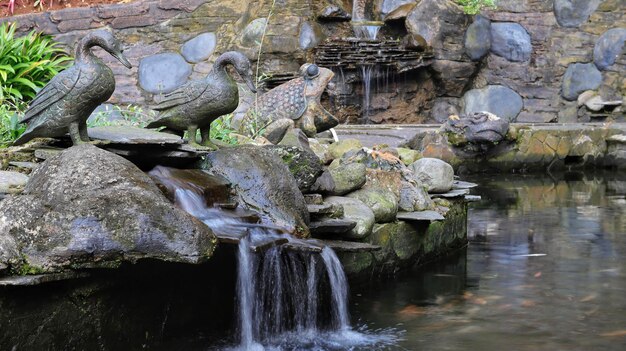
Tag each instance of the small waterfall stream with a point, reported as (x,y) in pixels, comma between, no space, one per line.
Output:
(286,299)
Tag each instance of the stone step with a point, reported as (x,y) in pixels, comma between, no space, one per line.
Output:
(472,198)
(452,194)
(25,165)
(267,244)
(304,246)
(416,216)
(29,280)
(459,184)
(45,153)
(331,226)
(349,246)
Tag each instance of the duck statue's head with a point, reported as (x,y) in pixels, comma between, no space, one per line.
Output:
(106,41)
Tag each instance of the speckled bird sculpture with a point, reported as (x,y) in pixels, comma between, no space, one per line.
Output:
(65,103)
(197,103)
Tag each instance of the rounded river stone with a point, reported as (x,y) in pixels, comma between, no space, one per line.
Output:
(511,41)
(608,47)
(497,99)
(199,48)
(162,73)
(578,78)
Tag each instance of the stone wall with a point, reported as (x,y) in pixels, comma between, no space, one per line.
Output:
(170,41)
(528,60)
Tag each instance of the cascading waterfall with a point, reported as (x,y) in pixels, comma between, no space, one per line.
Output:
(364,28)
(286,299)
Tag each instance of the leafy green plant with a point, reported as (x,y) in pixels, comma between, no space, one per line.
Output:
(27,63)
(130,115)
(473,7)
(222,130)
(10,128)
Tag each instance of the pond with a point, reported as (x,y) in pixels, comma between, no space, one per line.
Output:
(545,269)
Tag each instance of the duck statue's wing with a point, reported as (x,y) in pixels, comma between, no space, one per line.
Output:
(54,91)
(183,95)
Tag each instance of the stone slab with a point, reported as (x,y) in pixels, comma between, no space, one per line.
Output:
(27,165)
(453,193)
(30,280)
(472,198)
(349,246)
(133,135)
(420,216)
(45,153)
(332,226)
(459,184)
(10,180)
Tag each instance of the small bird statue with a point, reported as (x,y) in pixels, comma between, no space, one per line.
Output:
(65,103)
(197,103)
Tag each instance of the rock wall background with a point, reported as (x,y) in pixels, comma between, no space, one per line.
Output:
(528,60)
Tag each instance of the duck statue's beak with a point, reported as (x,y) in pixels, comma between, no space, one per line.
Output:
(250,83)
(120,56)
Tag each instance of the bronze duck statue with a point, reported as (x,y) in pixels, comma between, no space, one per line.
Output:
(197,103)
(65,103)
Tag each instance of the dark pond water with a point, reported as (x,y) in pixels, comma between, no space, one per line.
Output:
(545,270)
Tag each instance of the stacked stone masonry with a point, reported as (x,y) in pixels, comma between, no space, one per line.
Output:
(546,53)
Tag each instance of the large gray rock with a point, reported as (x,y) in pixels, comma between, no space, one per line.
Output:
(580,77)
(163,73)
(87,207)
(497,99)
(608,47)
(478,38)
(427,20)
(572,13)
(414,198)
(199,48)
(381,201)
(304,166)
(511,41)
(436,175)
(355,210)
(263,183)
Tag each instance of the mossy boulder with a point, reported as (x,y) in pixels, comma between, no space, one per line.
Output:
(341,179)
(87,207)
(304,166)
(355,210)
(408,156)
(263,183)
(382,202)
(339,148)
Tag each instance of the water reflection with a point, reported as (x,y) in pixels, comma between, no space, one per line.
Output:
(545,270)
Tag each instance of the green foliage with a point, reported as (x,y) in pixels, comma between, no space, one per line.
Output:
(130,115)
(473,7)
(222,130)
(27,63)
(10,128)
